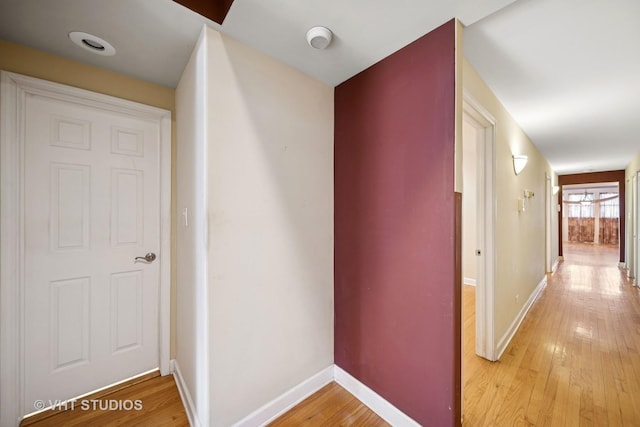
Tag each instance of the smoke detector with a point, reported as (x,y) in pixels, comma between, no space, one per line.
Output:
(319,37)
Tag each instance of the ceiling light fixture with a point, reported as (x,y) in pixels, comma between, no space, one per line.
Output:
(586,199)
(319,37)
(92,43)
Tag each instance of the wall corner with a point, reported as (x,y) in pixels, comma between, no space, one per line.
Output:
(459,58)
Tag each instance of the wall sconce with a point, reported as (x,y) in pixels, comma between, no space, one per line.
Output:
(519,162)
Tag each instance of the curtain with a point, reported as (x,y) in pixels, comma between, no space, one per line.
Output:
(580,217)
(609,222)
(584,211)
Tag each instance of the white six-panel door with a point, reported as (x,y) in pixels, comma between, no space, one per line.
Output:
(91,203)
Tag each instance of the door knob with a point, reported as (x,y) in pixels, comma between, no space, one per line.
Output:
(150,257)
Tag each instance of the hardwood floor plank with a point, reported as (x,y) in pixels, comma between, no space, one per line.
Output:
(159,400)
(575,360)
(330,406)
(97,395)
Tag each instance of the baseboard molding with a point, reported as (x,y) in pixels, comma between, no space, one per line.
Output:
(187,401)
(622,265)
(282,404)
(373,400)
(470,282)
(513,328)
(288,400)
(554,268)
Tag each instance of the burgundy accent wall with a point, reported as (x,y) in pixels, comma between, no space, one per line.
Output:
(397,303)
(216,10)
(595,178)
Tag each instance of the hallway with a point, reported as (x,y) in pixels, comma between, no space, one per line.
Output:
(575,359)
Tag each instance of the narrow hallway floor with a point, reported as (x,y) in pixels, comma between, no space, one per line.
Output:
(575,359)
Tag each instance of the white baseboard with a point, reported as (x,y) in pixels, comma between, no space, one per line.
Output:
(373,400)
(187,401)
(282,404)
(288,400)
(554,268)
(468,281)
(622,265)
(513,328)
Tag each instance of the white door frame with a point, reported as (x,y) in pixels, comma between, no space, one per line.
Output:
(486,214)
(549,212)
(633,230)
(14,89)
(636,227)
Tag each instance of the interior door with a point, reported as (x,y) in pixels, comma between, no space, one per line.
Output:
(91,207)
(485,230)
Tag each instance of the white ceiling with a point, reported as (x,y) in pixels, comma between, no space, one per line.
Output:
(154,38)
(566,69)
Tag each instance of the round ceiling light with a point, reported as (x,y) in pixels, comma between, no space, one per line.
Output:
(319,37)
(92,43)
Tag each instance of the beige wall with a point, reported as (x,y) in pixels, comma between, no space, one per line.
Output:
(267,141)
(35,63)
(31,62)
(459,94)
(520,237)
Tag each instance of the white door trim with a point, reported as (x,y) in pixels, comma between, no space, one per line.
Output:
(548,200)
(485,310)
(14,89)
(636,229)
(633,232)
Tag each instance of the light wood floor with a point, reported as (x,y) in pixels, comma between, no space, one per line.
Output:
(575,360)
(158,396)
(330,406)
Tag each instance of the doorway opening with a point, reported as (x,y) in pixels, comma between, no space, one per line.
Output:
(478,219)
(591,214)
(583,183)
